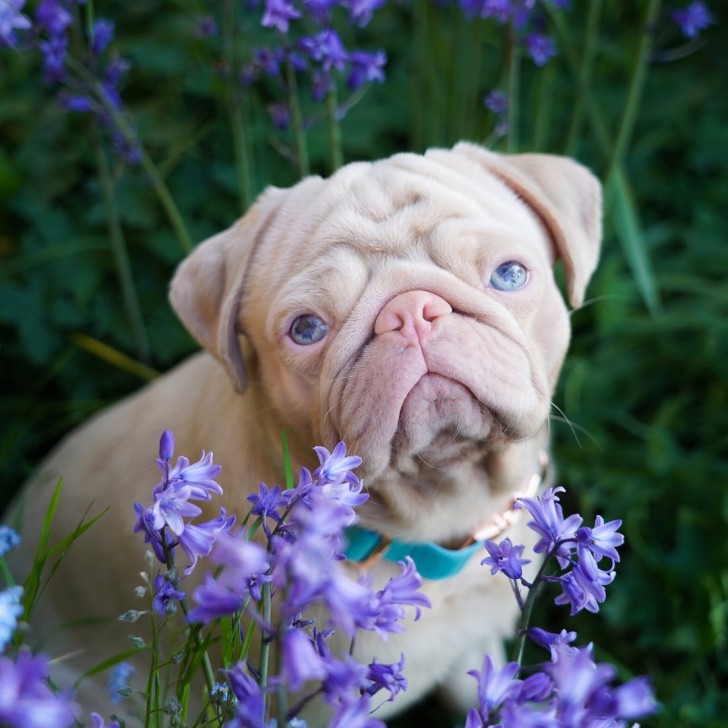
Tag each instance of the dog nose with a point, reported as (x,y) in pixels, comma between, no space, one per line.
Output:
(412,314)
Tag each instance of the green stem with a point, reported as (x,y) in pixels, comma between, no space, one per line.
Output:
(265,642)
(121,253)
(520,643)
(636,88)
(543,105)
(334,128)
(514,83)
(235,108)
(585,71)
(124,127)
(299,132)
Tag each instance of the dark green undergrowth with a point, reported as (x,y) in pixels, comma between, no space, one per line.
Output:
(641,429)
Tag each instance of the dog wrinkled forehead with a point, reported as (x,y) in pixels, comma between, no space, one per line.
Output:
(389,207)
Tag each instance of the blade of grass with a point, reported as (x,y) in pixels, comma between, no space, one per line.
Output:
(626,224)
(106,664)
(287,467)
(113,356)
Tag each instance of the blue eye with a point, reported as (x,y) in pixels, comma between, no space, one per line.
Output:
(509,276)
(308,329)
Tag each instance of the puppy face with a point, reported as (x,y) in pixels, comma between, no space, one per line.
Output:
(407,306)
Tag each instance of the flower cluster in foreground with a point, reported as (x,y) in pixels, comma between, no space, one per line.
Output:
(287,549)
(285,615)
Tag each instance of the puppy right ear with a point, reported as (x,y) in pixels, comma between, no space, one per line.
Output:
(208,285)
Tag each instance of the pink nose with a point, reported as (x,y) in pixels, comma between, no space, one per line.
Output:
(411,314)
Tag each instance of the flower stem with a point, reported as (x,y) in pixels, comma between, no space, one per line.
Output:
(334,128)
(527,607)
(121,254)
(585,70)
(123,125)
(299,132)
(235,108)
(265,642)
(514,83)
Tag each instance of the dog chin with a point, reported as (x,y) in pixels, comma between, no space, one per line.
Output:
(441,424)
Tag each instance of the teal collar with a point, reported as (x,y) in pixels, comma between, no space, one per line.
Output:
(432,560)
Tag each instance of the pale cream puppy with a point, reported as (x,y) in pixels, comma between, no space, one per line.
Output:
(440,381)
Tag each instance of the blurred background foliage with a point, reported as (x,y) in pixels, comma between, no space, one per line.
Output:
(644,390)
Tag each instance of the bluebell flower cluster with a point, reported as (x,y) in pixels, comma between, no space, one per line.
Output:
(26,697)
(571,689)
(87,84)
(319,56)
(525,17)
(579,550)
(693,18)
(287,552)
(168,522)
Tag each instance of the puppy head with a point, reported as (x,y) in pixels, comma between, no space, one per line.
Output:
(406,306)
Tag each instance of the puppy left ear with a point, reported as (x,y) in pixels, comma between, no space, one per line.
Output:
(565,195)
(207,287)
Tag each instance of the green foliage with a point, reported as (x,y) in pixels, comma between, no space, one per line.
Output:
(645,388)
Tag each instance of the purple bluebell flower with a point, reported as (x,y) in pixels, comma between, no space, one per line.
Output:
(54,16)
(206,27)
(497,102)
(166,596)
(584,693)
(495,685)
(250,705)
(197,539)
(336,466)
(54,58)
(12,19)
(387,677)
(97,721)
(327,49)
(365,68)
(280,115)
(583,586)
(505,557)
(9,539)
(164,524)
(26,700)
(103,34)
(549,640)
(10,610)
(354,712)
(401,590)
(540,47)
(267,504)
(300,660)
(216,600)
(549,523)
(118,687)
(320,10)
(361,11)
(602,540)
(344,677)
(245,564)
(278,14)
(693,18)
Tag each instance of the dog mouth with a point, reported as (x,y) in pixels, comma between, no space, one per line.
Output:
(441,422)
